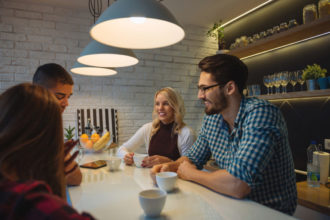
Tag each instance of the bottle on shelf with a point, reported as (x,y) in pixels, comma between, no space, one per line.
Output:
(313,166)
(88,128)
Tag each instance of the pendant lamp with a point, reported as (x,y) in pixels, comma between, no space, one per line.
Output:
(137,24)
(96,54)
(82,69)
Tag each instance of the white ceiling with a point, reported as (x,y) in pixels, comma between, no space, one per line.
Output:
(196,12)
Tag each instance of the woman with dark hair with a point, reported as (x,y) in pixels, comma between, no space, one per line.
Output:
(32,183)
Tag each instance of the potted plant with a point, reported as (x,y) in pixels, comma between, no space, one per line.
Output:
(217,32)
(69,133)
(312,73)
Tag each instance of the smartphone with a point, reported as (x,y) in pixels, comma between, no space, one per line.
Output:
(95,164)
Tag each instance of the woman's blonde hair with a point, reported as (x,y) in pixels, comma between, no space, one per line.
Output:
(176,102)
(31,137)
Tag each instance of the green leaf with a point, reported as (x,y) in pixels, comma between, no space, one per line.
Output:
(217,31)
(313,72)
(69,132)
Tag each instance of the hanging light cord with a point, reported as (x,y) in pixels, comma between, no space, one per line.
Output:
(95,8)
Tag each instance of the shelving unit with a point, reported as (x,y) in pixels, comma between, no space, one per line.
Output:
(295,34)
(299,94)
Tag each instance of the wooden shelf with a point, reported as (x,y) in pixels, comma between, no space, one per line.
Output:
(301,94)
(297,33)
(317,198)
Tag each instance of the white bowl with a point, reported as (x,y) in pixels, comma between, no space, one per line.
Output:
(138,158)
(166,180)
(113,163)
(152,201)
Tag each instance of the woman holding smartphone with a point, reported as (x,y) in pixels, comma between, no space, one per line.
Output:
(32,177)
(167,137)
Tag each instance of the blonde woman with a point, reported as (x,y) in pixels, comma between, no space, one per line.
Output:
(167,137)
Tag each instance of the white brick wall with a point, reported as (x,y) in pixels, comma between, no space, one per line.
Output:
(34,34)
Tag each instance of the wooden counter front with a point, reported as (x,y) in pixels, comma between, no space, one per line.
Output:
(316,198)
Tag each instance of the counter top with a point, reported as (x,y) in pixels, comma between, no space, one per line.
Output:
(316,198)
(114,195)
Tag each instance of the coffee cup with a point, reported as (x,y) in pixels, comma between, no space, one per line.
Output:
(113,163)
(166,180)
(138,158)
(152,201)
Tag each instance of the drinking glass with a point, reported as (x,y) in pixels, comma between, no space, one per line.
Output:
(277,82)
(267,83)
(284,80)
(271,83)
(300,79)
(293,77)
(81,153)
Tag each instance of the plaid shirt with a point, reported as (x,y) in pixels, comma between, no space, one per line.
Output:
(33,200)
(256,151)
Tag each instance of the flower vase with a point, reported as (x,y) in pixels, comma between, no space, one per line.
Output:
(311,84)
(323,82)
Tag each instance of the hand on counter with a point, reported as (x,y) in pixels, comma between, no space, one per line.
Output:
(154,160)
(185,169)
(128,158)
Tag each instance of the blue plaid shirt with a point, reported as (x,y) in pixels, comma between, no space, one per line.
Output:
(256,151)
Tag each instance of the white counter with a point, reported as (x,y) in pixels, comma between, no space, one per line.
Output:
(114,195)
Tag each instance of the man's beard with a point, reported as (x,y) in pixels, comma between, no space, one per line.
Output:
(217,106)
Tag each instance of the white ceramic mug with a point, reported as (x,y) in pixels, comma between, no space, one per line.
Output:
(113,163)
(166,180)
(138,158)
(152,201)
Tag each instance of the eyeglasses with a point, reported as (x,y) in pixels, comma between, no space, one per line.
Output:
(202,89)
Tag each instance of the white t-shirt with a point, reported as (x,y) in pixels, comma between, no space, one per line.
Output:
(186,138)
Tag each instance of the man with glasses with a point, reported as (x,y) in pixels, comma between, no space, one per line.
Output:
(57,80)
(247,137)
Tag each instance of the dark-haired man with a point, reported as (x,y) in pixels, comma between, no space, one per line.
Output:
(57,80)
(247,137)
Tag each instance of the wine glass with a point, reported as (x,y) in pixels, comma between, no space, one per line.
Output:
(293,77)
(284,80)
(300,80)
(277,82)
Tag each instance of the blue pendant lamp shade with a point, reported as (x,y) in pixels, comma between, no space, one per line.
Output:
(137,24)
(96,54)
(82,69)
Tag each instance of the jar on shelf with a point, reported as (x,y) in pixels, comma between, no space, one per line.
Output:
(238,42)
(269,32)
(283,26)
(292,23)
(262,34)
(324,8)
(255,37)
(243,41)
(309,13)
(250,40)
(276,29)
